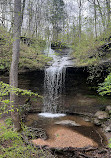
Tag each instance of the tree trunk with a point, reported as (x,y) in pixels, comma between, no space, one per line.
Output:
(95,18)
(80,8)
(101,14)
(108,12)
(3,9)
(15,61)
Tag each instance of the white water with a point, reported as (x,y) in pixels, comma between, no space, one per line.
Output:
(51,115)
(54,83)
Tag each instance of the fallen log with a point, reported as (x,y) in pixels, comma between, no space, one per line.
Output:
(105,46)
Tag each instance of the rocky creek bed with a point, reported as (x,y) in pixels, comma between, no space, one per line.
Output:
(83,150)
(66,143)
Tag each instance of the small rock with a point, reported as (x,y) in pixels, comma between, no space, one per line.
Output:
(97,122)
(108,129)
(108,109)
(86,119)
(67,122)
(101,115)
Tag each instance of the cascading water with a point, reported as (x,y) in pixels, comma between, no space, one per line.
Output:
(54,84)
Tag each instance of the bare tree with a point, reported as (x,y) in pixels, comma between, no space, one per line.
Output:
(80,9)
(108,12)
(15,61)
(95,18)
(101,14)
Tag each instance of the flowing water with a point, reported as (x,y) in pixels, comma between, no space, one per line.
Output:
(54,83)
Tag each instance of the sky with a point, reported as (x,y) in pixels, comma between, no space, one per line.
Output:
(73,7)
(67,1)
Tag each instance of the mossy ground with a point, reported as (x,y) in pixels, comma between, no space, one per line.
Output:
(88,51)
(31,57)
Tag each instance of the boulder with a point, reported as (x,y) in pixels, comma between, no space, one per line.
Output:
(101,115)
(67,122)
(86,119)
(108,109)
(97,122)
(56,45)
(108,128)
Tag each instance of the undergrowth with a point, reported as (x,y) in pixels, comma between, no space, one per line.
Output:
(86,51)
(110,143)
(31,57)
(13,145)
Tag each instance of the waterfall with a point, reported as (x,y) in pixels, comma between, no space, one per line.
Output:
(53,87)
(54,83)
